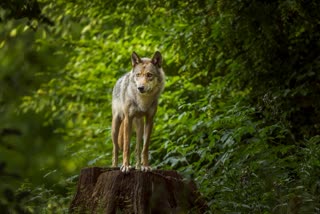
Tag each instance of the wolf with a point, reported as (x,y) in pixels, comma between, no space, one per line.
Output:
(134,104)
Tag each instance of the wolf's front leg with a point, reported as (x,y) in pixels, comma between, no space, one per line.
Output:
(145,151)
(127,127)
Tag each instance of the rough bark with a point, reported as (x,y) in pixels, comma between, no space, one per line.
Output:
(108,190)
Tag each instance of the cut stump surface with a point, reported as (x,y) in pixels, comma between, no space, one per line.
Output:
(108,190)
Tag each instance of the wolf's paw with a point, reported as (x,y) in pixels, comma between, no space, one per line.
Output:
(146,168)
(125,169)
(138,166)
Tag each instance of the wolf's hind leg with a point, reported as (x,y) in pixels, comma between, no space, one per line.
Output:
(120,136)
(116,121)
(138,122)
(127,128)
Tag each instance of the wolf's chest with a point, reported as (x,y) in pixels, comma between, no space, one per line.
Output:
(144,104)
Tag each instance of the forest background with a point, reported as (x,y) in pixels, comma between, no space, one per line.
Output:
(240,114)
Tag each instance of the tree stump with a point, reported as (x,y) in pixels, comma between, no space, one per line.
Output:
(108,190)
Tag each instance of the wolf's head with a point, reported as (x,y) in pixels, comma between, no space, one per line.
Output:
(147,73)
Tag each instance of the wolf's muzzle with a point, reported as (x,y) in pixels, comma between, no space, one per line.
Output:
(141,89)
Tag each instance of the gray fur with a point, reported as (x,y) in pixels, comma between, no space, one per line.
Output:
(135,96)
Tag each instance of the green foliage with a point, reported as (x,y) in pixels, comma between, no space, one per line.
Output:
(239,114)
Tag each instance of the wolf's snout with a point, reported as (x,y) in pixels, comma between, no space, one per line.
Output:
(141,89)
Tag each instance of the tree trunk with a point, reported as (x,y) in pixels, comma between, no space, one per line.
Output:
(108,190)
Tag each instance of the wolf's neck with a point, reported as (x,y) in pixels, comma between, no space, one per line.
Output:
(146,101)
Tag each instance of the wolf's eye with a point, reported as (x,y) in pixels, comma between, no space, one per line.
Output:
(138,75)
(149,75)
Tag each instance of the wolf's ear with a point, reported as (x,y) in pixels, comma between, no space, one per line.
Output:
(135,59)
(157,59)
